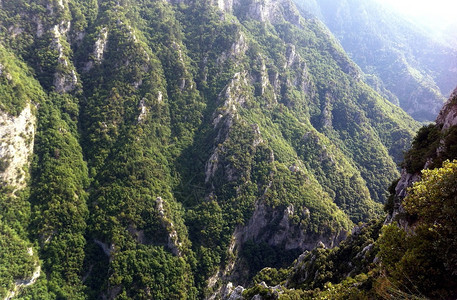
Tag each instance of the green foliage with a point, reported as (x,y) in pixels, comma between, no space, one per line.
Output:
(208,224)
(15,209)
(334,100)
(83,13)
(151,272)
(352,257)
(424,261)
(329,166)
(390,203)
(207,37)
(260,290)
(323,218)
(423,147)
(165,36)
(449,148)
(271,276)
(17,86)
(58,197)
(45,60)
(357,288)
(127,129)
(16,261)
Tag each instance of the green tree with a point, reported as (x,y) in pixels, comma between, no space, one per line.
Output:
(422,259)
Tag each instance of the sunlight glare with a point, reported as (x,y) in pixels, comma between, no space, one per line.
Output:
(438,11)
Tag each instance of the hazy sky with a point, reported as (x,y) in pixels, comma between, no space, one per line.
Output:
(439,12)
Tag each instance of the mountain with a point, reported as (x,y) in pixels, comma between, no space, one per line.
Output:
(155,149)
(408,255)
(406,64)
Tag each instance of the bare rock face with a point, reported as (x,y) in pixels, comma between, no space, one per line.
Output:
(448,115)
(227,5)
(107,249)
(236,51)
(406,181)
(144,110)
(231,96)
(99,50)
(272,11)
(416,106)
(65,78)
(16,145)
(17,134)
(288,234)
(173,239)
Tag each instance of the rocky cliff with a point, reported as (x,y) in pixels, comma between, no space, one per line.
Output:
(18,123)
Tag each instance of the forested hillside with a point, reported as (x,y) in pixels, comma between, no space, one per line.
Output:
(159,150)
(403,62)
(408,255)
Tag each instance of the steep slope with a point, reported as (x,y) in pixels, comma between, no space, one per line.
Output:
(403,62)
(433,145)
(176,143)
(411,257)
(19,91)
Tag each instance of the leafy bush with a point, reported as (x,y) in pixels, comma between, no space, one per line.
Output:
(424,260)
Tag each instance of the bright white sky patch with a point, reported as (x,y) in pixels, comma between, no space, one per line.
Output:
(439,12)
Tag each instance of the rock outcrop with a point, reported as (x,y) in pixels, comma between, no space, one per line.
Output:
(173,240)
(99,50)
(448,115)
(17,136)
(288,235)
(447,118)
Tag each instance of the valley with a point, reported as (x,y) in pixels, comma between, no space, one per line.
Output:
(174,149)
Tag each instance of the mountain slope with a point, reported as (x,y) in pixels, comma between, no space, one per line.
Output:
(408,255)
(180,141)
(404,63)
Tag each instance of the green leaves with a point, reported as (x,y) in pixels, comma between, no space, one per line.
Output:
(424,260)
(17,85)
(151,273)
(17,259)
(59,208)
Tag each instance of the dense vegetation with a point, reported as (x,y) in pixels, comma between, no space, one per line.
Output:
(409,255)
(344,271)
(381,262)
(163,130)
(425,262)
